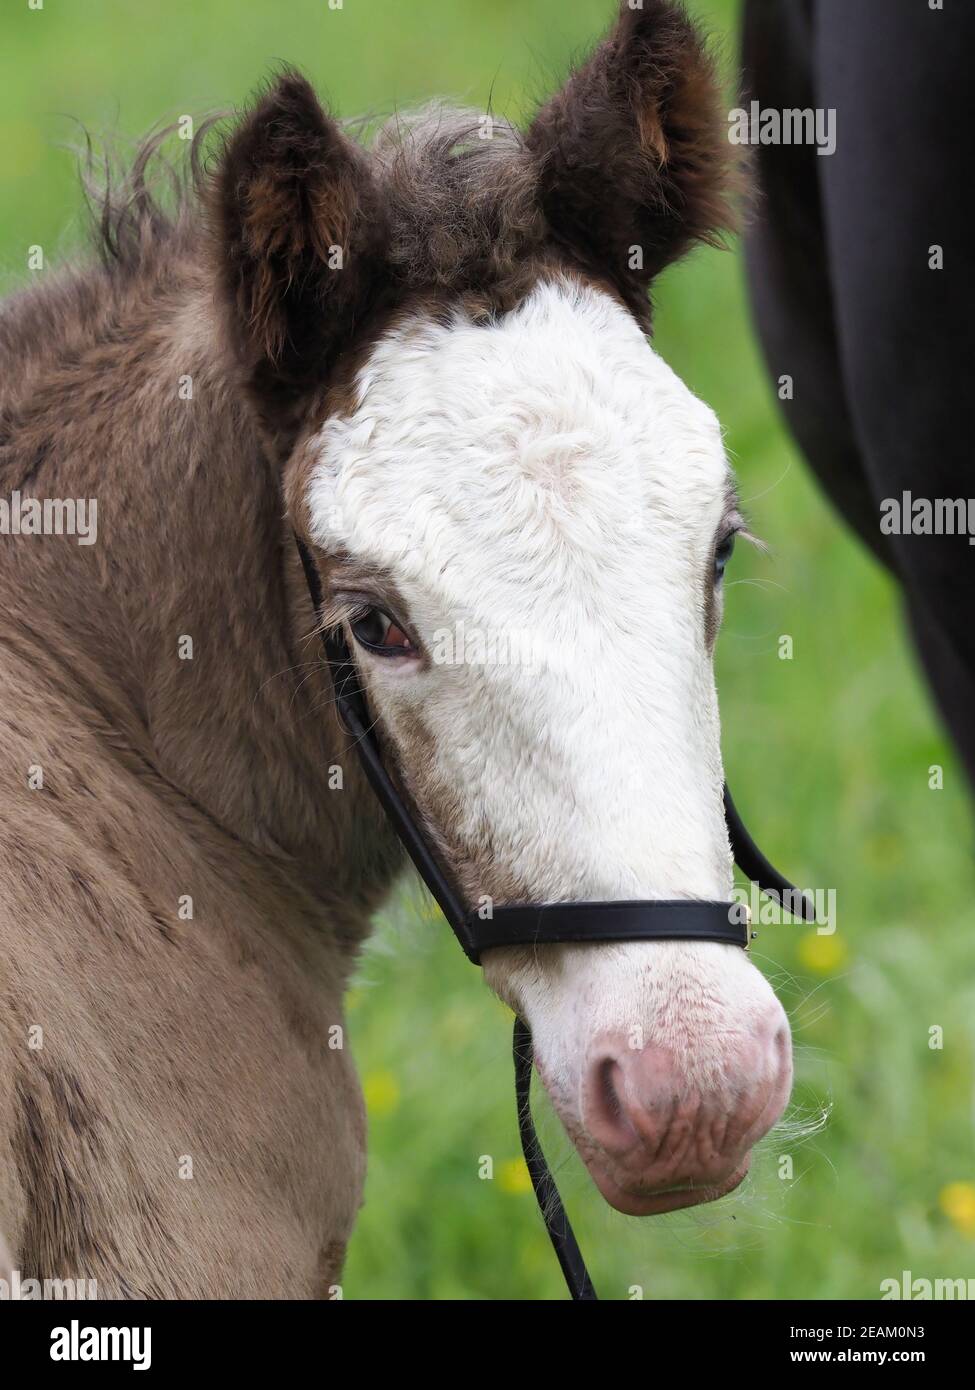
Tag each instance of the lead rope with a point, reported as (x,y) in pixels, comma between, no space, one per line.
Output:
(560,1233)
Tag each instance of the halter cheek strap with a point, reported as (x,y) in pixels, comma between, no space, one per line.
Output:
(534,924)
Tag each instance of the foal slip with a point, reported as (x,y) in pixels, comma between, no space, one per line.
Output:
(533,924)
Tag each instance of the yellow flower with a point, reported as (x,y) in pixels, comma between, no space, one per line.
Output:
(513,1177)
(381,1090)
(957,1201)
(822,954)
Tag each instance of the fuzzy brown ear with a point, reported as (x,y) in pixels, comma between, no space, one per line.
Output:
(633,151)
(301,246)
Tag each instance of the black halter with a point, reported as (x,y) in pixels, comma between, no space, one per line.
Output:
(532,924)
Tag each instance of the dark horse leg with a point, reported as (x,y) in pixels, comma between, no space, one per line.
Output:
(880,346)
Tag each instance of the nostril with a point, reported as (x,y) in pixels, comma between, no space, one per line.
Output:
(604,1105)
(782,1046)
(763,1058)
(608,1079)
(771,1031)
(646,1110)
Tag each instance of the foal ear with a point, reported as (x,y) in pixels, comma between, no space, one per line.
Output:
(301,246)
(633,153)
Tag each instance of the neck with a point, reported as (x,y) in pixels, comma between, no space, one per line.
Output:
(187,626)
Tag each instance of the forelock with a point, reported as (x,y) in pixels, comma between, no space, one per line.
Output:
(460,191)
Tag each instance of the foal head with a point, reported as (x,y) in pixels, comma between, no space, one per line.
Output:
(522,516)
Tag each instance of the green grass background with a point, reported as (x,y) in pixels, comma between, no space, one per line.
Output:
(828,753)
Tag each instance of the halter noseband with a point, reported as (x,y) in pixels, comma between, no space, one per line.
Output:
(534,924)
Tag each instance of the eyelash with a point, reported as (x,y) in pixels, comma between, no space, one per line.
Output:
(723,551)
(362,612)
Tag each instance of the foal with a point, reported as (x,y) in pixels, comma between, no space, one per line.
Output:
(434,350)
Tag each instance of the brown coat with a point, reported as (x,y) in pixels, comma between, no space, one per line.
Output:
(165,778)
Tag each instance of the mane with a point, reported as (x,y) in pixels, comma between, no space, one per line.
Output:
(142,217)
(458,185)
(461,190)
(138,208)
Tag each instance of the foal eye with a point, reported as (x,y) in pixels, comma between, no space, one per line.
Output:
(722,555)
(377,631)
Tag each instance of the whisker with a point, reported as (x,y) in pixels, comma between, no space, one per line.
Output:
(771,488)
